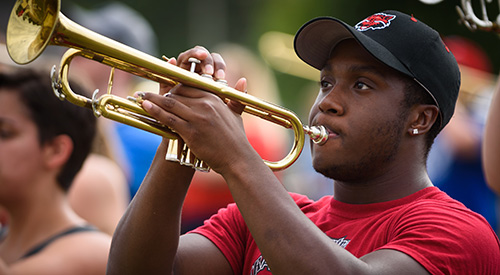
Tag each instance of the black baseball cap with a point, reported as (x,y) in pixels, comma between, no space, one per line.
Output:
(398,40)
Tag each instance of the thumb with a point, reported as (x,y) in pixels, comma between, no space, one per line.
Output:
(234,105)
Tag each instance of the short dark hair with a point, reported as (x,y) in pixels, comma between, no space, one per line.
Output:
(414,94)
(53,117)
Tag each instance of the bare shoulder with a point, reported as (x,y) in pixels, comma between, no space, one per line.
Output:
(100,193)
(78,253)
(490,145)
(97,170)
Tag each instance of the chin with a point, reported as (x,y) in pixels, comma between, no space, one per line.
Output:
(347,172)
(327,169)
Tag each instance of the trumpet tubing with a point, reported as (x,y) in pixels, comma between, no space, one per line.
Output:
(35,24)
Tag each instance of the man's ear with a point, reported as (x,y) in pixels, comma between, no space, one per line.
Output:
(58,151)
(421,119)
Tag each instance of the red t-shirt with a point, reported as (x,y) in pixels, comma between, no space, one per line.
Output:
(440,233)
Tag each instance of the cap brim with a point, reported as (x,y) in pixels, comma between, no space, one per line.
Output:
(316,39)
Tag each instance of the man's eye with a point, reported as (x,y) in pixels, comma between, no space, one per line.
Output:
(361,86)
(324,84)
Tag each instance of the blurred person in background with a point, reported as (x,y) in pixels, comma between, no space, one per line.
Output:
(99,193)
(454,162)
(43,145)
(491,144)
(135,147)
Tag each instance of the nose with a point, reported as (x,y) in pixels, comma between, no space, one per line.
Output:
(331,102)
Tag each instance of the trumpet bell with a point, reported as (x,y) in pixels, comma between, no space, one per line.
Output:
(30,28)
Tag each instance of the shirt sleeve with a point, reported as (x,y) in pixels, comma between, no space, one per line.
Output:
(433,233)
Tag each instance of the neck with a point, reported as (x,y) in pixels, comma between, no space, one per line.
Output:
(397,180)
(34,220)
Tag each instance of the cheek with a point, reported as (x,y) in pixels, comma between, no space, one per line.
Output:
(19,163)
(382,136)
(313,112)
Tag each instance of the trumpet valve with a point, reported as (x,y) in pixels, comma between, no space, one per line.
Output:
(184,156)
(194,62)
(222,81)
(173,150)
(200,165)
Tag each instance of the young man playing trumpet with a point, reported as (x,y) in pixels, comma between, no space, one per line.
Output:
(388,86)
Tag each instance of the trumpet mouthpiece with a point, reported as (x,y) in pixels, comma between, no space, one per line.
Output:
(318,134)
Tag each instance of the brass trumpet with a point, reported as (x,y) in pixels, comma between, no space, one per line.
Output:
(34,24)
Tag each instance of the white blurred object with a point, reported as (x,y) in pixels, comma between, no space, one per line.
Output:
(431,2)
(470,19)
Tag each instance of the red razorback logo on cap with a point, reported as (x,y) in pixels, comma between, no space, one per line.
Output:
(375,22)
